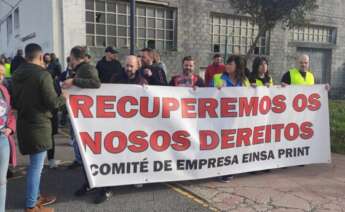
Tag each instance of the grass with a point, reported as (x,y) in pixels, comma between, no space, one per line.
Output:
(337,124)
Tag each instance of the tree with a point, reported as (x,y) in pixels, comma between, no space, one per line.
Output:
(266,14)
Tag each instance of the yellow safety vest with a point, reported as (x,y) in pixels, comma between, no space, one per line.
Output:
(7,70)
(259,82)
(297,78)
(219,82)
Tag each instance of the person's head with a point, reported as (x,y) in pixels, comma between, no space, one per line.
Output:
(34,54)
(88,58)
(2,60)
(156,57)
(217,60)
(110,53)
(303,62)
(8,60)
(47,58)
(188,65)
(147,56)
(235,67)
(53,56)
(20,52)
(77,56)
(260,67)
(131,65)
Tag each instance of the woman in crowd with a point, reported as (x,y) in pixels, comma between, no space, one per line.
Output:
(260,75)
(233,76)
(7,144)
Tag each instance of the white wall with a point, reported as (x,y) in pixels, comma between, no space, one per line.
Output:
(73,24)
(35,17)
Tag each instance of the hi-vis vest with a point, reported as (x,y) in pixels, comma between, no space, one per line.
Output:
(219,82)
(7,70)
(297,78)
(259,82)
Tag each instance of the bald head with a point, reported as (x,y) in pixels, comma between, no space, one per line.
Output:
(303,61)
(131,66)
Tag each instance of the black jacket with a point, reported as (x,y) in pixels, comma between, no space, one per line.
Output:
(123,79)
(158,76)
(16,62)
(106,69)
(55,68)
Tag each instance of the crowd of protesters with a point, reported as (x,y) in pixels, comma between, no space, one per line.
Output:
(35,87)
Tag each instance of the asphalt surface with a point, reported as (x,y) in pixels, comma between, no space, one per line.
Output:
(63,182)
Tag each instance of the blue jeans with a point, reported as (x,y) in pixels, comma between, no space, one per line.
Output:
(34,178)
(77,156)
(4,160)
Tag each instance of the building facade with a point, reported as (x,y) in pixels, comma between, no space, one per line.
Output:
(177,28)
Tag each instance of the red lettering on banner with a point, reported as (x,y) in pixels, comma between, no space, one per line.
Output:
(279,105)
(243,137)
(169,105)
(209,106)
(204,145)
(165,141)
(95,145)
(188,108)
(265,105)
(248,107)
(277,131)
(102,106)
(109,142)
(307,130)
(181,139)
(300,102)
(144,107)
(314,102)
(140,144)
(268,134)
(258,135)
(121,106)
(295,131)
(228,137)
(81,103)
(228,108)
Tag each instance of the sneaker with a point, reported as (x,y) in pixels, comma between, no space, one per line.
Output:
(74,165)
(45,200)
(39,209)
(138,185)
(53,164)
(70,142)
(84,189)
(103,196)
(226,178)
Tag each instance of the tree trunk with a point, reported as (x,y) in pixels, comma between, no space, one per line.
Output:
(262,31)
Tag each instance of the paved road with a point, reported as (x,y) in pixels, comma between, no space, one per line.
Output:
(63,182)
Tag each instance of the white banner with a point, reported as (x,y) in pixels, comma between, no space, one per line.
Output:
(130,134)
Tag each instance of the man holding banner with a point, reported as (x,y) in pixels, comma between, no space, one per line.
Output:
(188,78)
(86,77)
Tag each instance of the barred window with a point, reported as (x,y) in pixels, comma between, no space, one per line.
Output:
(108,23)
(313,34)
(238,33)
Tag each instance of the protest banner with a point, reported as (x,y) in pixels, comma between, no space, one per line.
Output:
(130,134)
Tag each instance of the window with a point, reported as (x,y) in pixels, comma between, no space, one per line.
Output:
(236,34)
(16,18)
(107,24)
(313,34)
(9,28)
